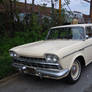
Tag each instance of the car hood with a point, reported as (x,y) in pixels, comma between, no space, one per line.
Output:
(40,48)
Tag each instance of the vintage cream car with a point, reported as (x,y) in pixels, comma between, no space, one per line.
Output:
(64,53)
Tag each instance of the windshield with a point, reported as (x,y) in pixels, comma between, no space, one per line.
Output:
(75,33)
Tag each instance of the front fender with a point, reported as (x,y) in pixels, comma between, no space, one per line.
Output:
(67,62)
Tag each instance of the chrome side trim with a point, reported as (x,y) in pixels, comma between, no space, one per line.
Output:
(73,52)
(88,46)
(77,51)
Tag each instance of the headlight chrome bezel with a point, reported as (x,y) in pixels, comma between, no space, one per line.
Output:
(51,58)
(13,54)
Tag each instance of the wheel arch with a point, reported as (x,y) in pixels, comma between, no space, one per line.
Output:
(81,59)
(72,79)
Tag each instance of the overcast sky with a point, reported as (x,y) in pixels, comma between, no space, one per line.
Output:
(75,5)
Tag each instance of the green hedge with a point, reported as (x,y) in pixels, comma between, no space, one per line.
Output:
(22,35)
(6,43)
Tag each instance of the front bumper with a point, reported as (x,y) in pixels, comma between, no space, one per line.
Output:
(46,73)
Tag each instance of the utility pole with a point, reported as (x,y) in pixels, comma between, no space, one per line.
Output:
(60,7)
(60,17)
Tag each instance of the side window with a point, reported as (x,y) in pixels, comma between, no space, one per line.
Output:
(89,32)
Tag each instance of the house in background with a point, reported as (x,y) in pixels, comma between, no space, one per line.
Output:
(45,12)
(22,12)
(40,11)
(87,18)
(74,14)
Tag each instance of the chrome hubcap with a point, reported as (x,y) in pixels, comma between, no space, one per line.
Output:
(75,70)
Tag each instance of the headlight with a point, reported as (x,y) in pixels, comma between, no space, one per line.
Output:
(51,58)
(13,54)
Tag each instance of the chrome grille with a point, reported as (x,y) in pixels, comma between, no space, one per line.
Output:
(37,62)
(31,59)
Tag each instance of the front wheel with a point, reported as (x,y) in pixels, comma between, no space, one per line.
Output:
(75,72)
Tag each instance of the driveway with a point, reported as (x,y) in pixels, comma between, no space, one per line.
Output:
(34,84)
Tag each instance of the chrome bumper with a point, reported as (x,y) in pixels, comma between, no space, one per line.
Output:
(51,73)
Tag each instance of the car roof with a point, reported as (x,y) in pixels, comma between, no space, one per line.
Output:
(73,25)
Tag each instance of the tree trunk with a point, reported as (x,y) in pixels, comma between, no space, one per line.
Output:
(33,6)
(26,12)
(14,10)
(11,19)
(15,6)
(52,4)
(25,5)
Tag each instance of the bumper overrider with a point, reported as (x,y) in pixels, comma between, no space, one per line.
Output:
(46,73)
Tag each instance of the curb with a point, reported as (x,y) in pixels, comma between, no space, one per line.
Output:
(7,79)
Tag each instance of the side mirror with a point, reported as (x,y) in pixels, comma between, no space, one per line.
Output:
(87,36)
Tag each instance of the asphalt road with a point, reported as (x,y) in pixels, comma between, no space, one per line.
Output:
(34,84)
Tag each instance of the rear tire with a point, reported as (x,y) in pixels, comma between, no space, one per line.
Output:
(75,72)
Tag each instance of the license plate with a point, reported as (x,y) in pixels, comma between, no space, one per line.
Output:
(30,70)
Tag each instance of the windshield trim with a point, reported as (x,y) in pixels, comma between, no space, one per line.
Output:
(67,27)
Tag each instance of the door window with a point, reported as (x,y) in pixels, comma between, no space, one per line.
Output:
(89,32)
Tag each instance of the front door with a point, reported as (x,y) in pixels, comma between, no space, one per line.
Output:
(88,44)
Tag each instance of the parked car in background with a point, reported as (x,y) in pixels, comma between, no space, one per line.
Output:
(64,53)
